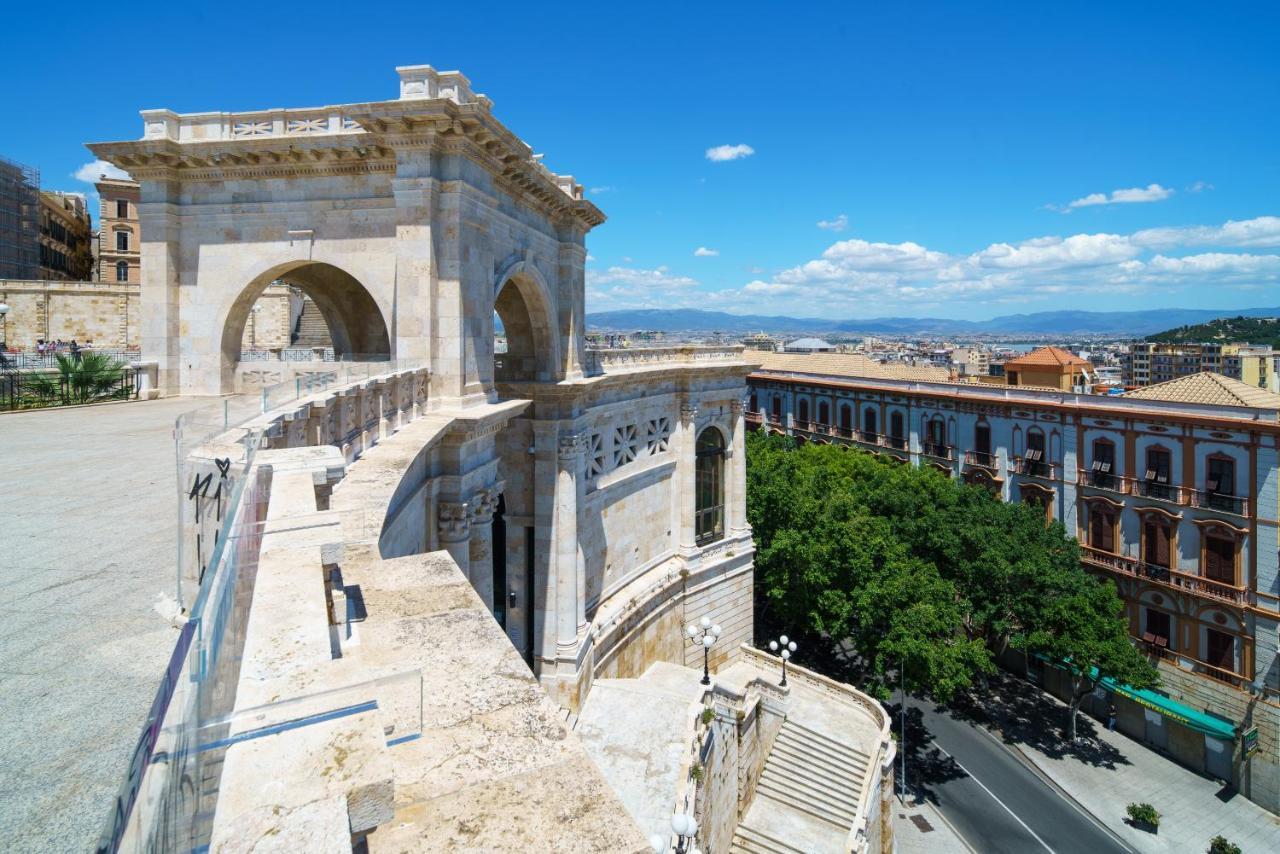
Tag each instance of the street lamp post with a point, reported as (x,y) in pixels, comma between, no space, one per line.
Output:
(685,827)
(709,632)
(787,647)
(4,325)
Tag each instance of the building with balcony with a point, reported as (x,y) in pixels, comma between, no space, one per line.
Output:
(66,238)
(1148,363)
(1173,492)
(19,220)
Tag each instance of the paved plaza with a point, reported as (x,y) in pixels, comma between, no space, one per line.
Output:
(87,527)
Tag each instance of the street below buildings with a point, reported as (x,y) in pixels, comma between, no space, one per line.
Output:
(994,801)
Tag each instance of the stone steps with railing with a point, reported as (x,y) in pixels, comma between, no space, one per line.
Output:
(811,773)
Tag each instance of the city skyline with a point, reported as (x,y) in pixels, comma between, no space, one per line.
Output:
(858,164)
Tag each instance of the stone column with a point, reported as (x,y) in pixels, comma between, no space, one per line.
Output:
(568,468)
(686,470)
(481,550)
(736,476)
(454,519)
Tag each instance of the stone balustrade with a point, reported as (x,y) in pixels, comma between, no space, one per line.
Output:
(637,358)
(858,839)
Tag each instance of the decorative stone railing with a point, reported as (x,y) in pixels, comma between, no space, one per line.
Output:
(203,127)
(634,358)
(857,839)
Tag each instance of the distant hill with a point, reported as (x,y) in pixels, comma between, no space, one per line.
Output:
(1254,330)
(1127,324)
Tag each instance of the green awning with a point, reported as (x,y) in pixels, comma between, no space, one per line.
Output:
(1172,709)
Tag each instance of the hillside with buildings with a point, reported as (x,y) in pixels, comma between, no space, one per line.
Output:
(1254,330)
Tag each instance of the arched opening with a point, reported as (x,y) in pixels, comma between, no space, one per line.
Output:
(897,431)
(525,348)
(869,425)
(824,414)
(846,418)
(709,491)
(352,320)
(802,412)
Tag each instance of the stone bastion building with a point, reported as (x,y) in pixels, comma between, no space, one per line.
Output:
(436,595)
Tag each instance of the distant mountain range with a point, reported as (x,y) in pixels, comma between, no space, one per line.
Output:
(1129,324)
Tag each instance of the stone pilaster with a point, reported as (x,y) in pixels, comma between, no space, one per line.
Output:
(454,521)
(568,474)
(686,470)
(483,507)
(736,476)
(161,327)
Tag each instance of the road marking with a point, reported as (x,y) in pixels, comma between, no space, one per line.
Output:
(1052,784)
(994,798)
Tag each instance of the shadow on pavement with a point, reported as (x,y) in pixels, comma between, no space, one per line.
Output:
(1022,714)
(927,766)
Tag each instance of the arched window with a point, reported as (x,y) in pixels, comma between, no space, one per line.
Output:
(897,431)
(982,445)
(122,271)
(1102,470)
(846,417)
(869,424)
(1035,459)
(937,444)
(824,413)
(802,410)
(709,476)
(1102,528)
(754,406)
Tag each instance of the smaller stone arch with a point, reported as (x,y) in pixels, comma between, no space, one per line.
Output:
(709,475)
(355,321)
(527,310)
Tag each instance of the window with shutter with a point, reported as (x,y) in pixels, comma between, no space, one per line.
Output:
(1220,559)
(1156,542)
(1220,649)
(1158,627)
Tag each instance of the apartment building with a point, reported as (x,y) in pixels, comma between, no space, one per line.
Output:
(19,220)
(1147,363)
(1173,492)
(66,237)
(119,231)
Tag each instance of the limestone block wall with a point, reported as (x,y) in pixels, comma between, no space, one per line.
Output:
(269,324)
(104,313)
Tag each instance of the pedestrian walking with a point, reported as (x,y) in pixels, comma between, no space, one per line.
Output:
(75,351)
(1112,715)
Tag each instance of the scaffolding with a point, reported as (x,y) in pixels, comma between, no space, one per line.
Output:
(19,220)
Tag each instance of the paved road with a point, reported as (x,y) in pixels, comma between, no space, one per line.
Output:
(988,795)
(88,527)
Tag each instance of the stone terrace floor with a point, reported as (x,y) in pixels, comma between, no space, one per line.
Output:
(87,546)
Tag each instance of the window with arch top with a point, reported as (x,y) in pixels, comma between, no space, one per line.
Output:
(709,487)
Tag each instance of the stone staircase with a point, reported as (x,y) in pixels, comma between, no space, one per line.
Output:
(311,330)
(809,773)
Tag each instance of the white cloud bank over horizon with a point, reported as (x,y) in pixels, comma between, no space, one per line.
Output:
(853,274)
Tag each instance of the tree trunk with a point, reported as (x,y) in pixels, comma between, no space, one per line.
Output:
(1071,722)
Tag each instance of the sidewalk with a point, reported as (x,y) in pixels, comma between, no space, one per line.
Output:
(1108,770)
(918,828)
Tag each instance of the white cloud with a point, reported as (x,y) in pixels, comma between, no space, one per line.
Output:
(704,252)
(658,278)
(590,258)
(721,153)
(1200,187)
(94,170)
(840,223)
(1149,193)
(1263,231)
(608,188)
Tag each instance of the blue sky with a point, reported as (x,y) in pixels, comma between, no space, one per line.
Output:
(942,145)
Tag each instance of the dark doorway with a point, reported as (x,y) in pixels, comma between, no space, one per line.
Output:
(500,563)
(528,595)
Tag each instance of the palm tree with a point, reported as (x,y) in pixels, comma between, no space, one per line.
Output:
(90,378)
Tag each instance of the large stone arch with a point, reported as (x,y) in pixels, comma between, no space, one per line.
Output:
(522,299)
(356,322)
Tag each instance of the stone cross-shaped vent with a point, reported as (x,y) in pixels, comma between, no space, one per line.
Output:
(596,462)
(319,125)
(251,129)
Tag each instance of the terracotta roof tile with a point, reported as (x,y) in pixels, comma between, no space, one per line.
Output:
(1208,388)
(1054,356)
